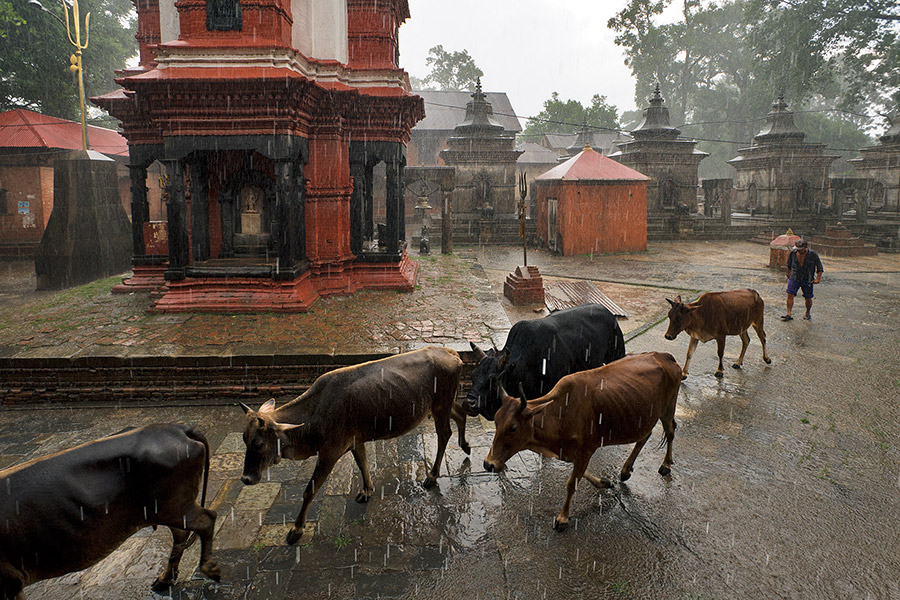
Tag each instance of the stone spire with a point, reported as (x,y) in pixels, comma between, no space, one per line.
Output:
(656,120)
(892,136)
(779,125)
(479,119)
(582,140)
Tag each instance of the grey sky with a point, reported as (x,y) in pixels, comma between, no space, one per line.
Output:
(526,48)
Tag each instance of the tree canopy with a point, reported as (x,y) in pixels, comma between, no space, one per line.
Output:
(568,116)
(34,54)
(721,64)
(449,71)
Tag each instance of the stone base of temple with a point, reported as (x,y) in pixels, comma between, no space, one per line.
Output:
(837,241)
(525,286)
(146,278)
(238,294)
(258,294)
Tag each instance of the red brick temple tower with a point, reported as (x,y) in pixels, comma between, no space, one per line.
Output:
(269,117)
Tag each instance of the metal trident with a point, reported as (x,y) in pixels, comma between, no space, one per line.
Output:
(523,191)
(75,59)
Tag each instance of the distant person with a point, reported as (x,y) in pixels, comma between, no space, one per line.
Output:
(804,270)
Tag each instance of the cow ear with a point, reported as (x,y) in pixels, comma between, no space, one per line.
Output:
(246,408)
(287,427)
(479,353)
(540,407)
(269,406)
(691,309)
(502,359)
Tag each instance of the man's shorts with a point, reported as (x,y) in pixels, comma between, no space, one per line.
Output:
(794,285)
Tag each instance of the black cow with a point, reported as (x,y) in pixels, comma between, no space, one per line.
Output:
(540,352)
(68,511)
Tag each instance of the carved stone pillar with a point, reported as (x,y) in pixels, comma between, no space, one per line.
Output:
(199,179)
(357,203)
(140,209)
(285,243)
(393,206)
(176,209)
(299,212)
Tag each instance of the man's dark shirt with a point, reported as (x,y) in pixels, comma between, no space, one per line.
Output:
(807,271)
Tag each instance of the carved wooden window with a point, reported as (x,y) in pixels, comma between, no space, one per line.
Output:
(223,15)
(3,202)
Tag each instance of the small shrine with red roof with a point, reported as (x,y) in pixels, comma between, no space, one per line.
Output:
(591,204)
(269,117)
(30,143)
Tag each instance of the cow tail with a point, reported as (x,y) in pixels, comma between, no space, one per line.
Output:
(199,437)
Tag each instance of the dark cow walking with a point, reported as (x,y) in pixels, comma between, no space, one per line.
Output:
(715,315)
(67,511)
(619,403)
(347,407)
(540,352)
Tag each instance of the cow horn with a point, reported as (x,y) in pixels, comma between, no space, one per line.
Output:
(522,392)
(672,302)
(523,404)
(245,407)
(479,353)
(494,346)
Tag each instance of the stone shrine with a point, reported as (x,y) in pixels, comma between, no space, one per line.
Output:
(780,174)
(269,117)
(484,157)
(879,165)
(670,161)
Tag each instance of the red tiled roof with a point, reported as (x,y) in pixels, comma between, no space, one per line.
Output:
(592,166)
(22,128)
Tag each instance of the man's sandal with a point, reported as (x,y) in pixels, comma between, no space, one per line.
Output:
(806,317)
(787,318)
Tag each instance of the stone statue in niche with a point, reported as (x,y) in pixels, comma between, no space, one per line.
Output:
(251,199)
(482,194)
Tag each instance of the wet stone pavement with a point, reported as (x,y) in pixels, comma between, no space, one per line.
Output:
(785,482)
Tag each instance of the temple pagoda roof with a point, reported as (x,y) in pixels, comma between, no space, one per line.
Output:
(22,128)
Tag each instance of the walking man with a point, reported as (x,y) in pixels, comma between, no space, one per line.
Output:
(804,270)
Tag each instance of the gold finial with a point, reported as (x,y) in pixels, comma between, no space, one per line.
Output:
(789,231)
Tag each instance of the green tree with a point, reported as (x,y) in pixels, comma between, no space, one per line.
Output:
(568,116)
(720,66)
(34,54)
(451,70)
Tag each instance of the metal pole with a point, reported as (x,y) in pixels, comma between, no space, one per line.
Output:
(523,191)
(75,59)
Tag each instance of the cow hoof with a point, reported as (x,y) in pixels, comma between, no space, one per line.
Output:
(720,374)
(560,526)
(211,570)
(624,475)
(767,360)
(363,497)
(683,376)
(159,586)
(429,483)
(293,536)
(735,366)
(466,448)
(664,470)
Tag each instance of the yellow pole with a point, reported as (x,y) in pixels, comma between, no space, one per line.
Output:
(75,59)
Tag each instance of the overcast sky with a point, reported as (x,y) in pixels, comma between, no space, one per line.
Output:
(526,48)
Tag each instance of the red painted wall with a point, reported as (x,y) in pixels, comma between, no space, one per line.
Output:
(595,216)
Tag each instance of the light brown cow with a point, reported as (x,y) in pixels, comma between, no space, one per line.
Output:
(618,403)
(715,315)
(347,407)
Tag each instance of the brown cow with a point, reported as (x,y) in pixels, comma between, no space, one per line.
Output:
(618,403)
(67,511)
(715,315)
(347,407)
